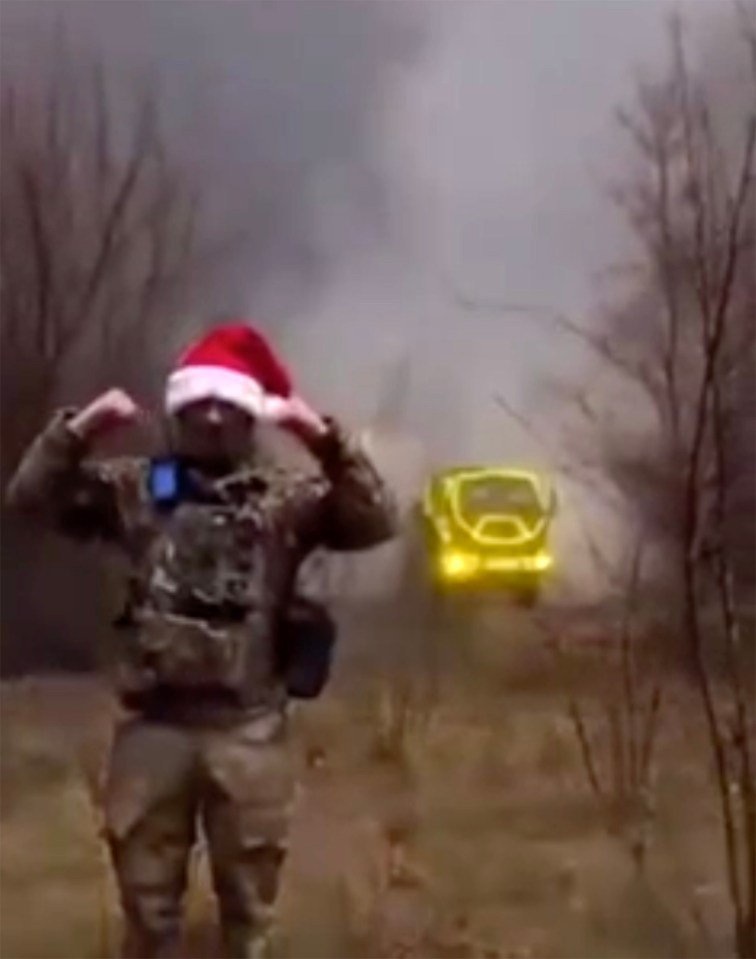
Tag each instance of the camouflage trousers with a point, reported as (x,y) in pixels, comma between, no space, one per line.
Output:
(164,781)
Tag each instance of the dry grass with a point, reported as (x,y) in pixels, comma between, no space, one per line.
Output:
(479,839)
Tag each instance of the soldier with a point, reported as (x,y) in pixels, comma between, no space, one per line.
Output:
(212,543)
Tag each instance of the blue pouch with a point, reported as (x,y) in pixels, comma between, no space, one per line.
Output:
(165,482)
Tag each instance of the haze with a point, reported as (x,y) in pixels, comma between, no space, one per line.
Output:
(401,153)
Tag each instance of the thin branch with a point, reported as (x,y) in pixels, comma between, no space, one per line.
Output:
(649,732)
(628,669)
(713,346)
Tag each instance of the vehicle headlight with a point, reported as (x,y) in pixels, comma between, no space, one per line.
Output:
(456,565)
(543,561)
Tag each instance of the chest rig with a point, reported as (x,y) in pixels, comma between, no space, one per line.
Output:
(212,605)
(206,587)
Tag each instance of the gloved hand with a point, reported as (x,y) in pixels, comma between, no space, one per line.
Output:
(302,421)
(110,411)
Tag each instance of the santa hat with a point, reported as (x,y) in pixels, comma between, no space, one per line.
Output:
(236,364)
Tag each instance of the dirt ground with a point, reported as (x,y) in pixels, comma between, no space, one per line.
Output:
(449,818)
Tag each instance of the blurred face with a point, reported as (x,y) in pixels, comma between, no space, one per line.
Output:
(213,432)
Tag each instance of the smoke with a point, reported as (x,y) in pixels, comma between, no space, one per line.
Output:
(379,160)
(274,105)
(497,147)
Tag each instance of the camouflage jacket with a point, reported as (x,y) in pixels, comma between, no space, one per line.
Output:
(346,507)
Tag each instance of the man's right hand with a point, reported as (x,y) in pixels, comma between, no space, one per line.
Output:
(110,412)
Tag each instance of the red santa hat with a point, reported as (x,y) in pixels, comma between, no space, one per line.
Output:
(234,363)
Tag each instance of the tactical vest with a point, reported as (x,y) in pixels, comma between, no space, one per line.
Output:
(211,606)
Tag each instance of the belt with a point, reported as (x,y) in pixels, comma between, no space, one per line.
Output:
(206,708)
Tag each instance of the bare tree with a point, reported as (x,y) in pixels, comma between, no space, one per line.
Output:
(685,342)
(678,458)
(101,236)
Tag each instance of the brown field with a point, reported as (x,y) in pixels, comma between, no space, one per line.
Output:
(464,827)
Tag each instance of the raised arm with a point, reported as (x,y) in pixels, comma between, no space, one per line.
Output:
(357,510)
(57,484)
(349,507)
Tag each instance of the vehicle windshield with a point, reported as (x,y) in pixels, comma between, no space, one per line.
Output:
(497,495)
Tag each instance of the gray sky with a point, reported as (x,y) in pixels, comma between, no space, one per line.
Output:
(381,155)
(392,152)
(498,148)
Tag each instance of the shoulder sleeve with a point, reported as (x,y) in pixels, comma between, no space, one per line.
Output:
(58,485)
(349,507)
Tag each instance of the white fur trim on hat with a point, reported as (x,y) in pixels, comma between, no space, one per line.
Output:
(194,383)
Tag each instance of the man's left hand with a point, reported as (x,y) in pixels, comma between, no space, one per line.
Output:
(303,422)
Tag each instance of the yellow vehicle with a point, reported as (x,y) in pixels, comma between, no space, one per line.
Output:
(486,530)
